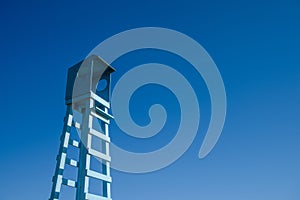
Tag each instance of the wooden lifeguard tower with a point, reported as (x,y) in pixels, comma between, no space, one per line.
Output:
(87,94)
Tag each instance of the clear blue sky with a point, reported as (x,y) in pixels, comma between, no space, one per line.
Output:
(255,45)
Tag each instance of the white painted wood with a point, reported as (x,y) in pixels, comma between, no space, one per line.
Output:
(62,161)
(58,183)
(74,143)
(99,135)
(104,113)
(72,162)
(68,182)
(99,155)
(99,176)
(90,196)
(100,100)
(94,114)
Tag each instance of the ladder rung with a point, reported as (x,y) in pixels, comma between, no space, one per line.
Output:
(70,183)
(95,197)
(99,135)
(71,162)
(98,175)
(74,143)
(102,112)
(76,124)
(100,100)
(94,114)
(99,154)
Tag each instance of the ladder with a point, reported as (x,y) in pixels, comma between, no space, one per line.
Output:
(91,108)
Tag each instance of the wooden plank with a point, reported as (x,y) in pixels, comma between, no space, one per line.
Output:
(99,176)
(72,162)
(95,197)
(102,112)
(99,155)
(76,124)
(99,135)
(100,100)
(69,183)
(74,143)
(94,114)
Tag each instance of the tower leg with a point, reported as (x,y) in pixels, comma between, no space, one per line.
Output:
(61,157)
(84,163)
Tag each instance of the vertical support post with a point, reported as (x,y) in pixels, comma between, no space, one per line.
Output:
(106,167)
(84,160)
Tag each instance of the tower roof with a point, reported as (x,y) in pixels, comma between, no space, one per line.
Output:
(85,75)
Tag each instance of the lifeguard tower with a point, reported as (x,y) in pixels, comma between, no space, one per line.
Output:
(88,102)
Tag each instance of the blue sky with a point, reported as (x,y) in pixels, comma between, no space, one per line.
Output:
(255,45)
